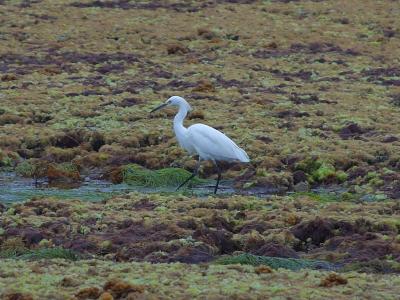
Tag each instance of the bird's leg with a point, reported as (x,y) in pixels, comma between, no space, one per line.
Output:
(196,170)
(219,177)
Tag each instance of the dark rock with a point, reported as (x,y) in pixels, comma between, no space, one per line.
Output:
(299,176)
(97,140)
(350,131)
(357,172)
(318,230)
(221,239)
(390,139)
(81,245)
(32,236)
(265,139)
(128,102)
(2,208)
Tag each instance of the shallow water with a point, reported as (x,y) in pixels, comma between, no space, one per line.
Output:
(14,188)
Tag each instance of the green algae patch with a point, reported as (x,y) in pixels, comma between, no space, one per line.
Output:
(139,176)
(293,264)
(324,171)
(41,253)
(26,169)
(320,171)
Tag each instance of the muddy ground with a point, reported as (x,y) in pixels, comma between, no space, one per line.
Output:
(310,89)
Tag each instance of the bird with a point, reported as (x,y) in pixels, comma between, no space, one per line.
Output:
(205,141)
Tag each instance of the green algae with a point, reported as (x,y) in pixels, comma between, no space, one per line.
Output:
(293,264)
(26,169)
(41,253)
(320,170)
(139,176)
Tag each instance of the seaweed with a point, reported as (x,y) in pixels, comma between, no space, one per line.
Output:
(41,253)
(137,175)
(293,264)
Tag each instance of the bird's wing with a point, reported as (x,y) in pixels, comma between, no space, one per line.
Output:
(213,144)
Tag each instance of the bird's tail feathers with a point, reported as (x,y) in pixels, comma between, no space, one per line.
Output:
(242,155)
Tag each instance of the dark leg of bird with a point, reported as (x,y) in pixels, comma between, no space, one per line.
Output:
(218,179)
(196,170)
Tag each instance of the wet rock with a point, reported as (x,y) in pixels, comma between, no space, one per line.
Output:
(221,239)
(389,32)
(32,236)
(3,208)
(264,138)
(97,140)
(357,172)
(69,139)
(299,176)
(390,139)
(292,113)
(351,130)
(318,230)
(81,245)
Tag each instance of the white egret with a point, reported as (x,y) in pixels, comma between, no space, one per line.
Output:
(205,141)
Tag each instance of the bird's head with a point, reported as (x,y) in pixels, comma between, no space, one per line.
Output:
(174,101)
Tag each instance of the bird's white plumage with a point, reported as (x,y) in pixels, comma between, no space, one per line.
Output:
(207,142)
(212,144)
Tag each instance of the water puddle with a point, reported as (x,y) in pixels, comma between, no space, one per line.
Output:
(14,188)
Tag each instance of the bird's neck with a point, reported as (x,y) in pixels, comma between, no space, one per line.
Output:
(178,122)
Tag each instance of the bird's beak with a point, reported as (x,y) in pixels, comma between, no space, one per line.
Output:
(159,107)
